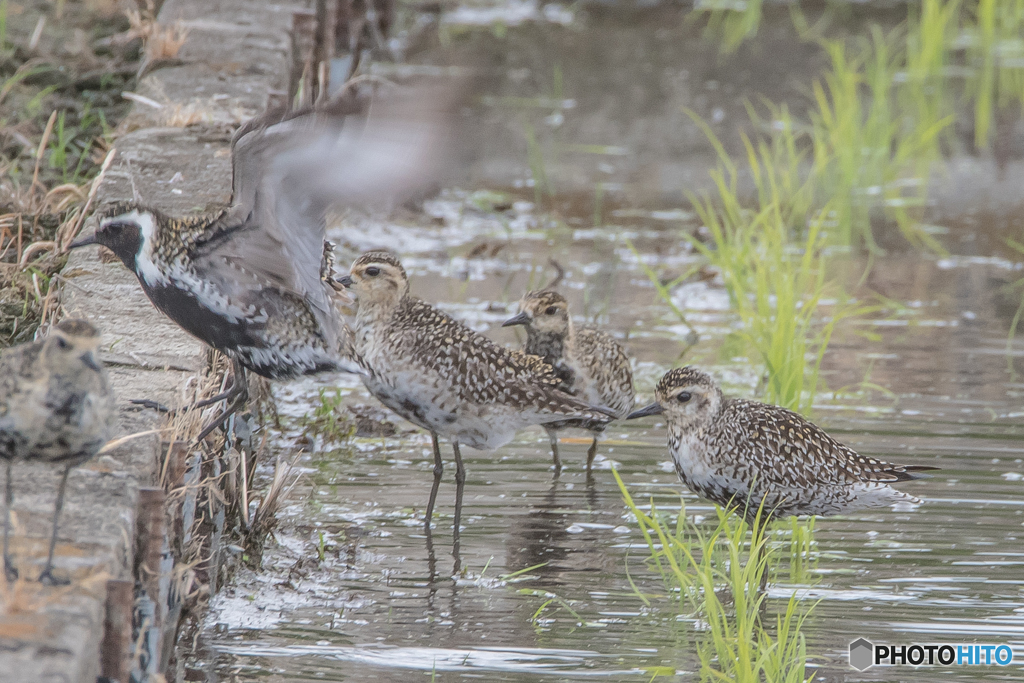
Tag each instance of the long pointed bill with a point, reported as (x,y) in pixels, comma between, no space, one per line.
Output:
(83,242)
(521,319)
(653,409)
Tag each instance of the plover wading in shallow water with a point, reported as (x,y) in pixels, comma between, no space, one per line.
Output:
(749,456)
(746,454)
(444,377)
(56,406)
(590,363)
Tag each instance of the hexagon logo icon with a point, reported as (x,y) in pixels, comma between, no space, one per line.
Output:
(861,654)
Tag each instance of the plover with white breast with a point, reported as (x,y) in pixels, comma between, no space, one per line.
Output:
(442,376)
(748,455)
(756,458)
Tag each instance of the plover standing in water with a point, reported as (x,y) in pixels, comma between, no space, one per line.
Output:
(590,363)
(444,377)
(254,280)
(750,456)
(56,406)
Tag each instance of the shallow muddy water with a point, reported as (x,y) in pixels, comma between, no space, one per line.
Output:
(385,603)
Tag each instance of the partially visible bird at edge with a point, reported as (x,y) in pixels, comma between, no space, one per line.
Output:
(442,376)
(756,458)
(254,280)
(589,363)
(56,407)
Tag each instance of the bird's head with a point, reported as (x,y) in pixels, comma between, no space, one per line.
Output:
(545,311)
(687,396)
(126,228)
(377,279)
(71,346)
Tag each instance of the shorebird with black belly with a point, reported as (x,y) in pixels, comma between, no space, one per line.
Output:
(56,407)
(590,363)
(254,280)
(750,456)
(444,377)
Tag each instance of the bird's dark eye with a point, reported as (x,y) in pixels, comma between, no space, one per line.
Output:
(551,310)
(63,344)
(372,271)
(683,396)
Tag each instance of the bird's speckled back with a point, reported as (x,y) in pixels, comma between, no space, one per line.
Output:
(735,451)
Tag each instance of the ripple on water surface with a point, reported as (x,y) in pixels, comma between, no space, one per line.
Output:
(386,603)
(382,604)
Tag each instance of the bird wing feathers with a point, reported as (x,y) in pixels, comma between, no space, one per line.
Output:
(480,370)
(810,457)
(603,369)
(290,167)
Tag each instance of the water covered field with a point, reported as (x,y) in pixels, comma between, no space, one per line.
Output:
(550,580)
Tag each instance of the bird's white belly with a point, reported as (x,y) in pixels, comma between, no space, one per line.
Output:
(435,408)
(702,476)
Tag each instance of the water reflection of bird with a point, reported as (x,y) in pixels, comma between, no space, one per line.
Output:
(56,407)
(752,456)
(542,535)
(254,280)
(444,377)
(589,362)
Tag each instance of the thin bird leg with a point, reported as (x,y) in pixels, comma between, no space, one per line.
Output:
(229,393)
(438,471)
(9,569)
(47,576)
(553,438)
(431,559)
(223,417)
(591,452)
(460,483)
(151,404)
(238,371)
(226,395)
(240,398)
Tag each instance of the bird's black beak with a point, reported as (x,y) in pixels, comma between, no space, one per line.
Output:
(653,409)
(521,319)
(345,280)
(90,361)
(83,242)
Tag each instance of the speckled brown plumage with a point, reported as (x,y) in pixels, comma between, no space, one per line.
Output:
(589,363)
(56,406)
(439,374)
(741,454)
(443,376)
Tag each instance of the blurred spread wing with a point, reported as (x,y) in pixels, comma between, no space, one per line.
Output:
(400,149)
(357,149)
